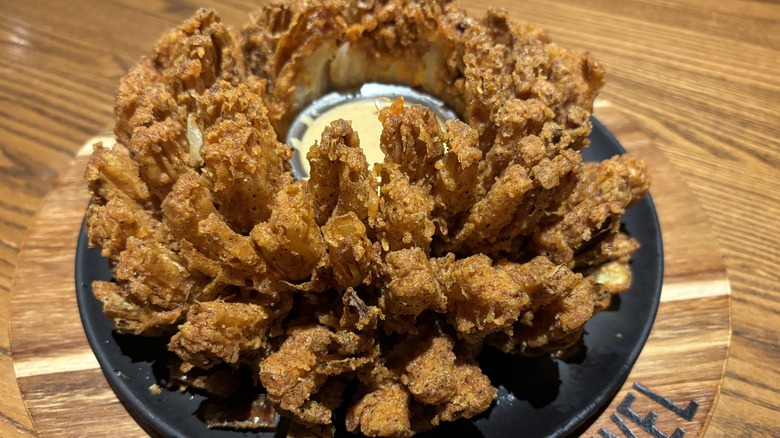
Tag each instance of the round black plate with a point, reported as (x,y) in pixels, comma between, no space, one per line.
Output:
(537,397)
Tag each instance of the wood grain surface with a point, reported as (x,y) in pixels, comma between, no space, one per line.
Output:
(698,78)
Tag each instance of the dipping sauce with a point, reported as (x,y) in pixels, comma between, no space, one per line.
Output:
(364,116)
(360,107)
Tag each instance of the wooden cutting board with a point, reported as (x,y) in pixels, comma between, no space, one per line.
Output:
(670,392)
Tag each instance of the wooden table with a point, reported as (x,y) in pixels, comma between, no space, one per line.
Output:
(697,81)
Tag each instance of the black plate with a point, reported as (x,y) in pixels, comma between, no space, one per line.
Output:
(537,397)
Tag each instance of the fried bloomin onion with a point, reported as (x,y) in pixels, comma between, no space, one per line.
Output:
(367,288)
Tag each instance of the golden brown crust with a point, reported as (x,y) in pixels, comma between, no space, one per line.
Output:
(197,54)
(351,252)
(290,241)
(112,173)
(384,411)
(386,279)
(221,332)
(405,209)
(411,287)
(243,161)
(152,290)
(339,178)
(311,357)
(592,212)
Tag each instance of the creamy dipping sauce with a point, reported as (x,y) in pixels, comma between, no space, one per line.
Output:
(364,116)
(359,107)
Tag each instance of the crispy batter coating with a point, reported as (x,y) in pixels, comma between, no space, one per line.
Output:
(340,182)
(297,373)
(197,54)
(383,411)
(352,254)
(481,300)
(243,161)
(356,314)
(593,210)
(131,317)
(506,61)
(141,100)
(152,291)
(113,223)
(437,373)
(405,210)
(221,332)
(494,211)
(302,49)
(154,97)
(112,173)
(455,186)
(411,287)
(412,140)
(426,379)
(560,302)
(206,240)
(122,202)
(383,282)
(554,180)
(290,240)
